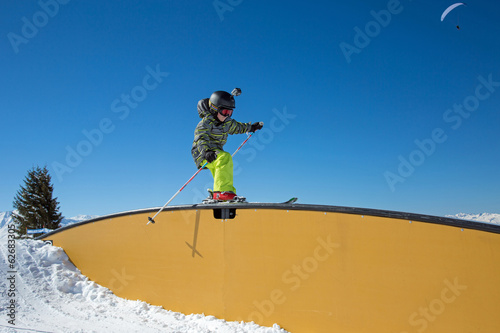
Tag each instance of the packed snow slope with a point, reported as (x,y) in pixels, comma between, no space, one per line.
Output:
(51,295)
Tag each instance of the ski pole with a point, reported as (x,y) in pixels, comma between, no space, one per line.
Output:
(243,143)
(152,219)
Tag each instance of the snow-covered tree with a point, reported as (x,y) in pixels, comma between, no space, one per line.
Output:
(34,203)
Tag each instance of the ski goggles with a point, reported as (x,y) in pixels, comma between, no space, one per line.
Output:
(226,112)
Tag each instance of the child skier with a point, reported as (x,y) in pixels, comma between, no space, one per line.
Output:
(210,136)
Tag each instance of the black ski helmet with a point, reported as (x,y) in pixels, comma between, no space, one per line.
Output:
(222,99)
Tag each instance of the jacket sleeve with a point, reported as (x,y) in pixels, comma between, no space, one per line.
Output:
(236,127)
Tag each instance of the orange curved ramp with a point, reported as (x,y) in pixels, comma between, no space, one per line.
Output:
(308,268)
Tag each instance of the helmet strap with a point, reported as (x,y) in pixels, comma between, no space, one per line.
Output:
(213,107)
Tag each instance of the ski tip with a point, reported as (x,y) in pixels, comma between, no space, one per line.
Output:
(291,200)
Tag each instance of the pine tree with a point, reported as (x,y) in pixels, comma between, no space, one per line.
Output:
(34,203)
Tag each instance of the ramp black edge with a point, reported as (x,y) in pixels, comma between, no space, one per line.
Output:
(459,223)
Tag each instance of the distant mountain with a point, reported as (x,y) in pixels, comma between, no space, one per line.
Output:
(483,217)
(6,218)
(77,219)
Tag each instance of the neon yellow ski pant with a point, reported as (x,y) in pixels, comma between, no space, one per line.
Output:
(222,171)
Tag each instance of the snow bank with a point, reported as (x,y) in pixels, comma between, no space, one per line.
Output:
(52,295)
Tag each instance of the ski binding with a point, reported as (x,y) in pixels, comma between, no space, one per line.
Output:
(236,199)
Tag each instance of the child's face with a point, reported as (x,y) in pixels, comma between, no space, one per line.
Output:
(221,118)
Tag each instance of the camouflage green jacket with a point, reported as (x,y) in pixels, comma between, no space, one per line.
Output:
(211,134)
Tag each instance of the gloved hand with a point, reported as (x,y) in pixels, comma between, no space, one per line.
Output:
(210,156)
(256,126)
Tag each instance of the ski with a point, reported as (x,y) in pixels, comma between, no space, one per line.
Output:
(236,199)
(239,199)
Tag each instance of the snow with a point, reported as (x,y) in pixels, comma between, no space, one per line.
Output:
(52,295)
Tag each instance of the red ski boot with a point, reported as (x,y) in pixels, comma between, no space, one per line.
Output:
(221,197)
(224,196)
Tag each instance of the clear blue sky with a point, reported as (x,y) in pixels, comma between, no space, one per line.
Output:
(374,104)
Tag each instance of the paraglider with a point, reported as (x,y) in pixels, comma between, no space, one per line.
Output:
(449,9)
